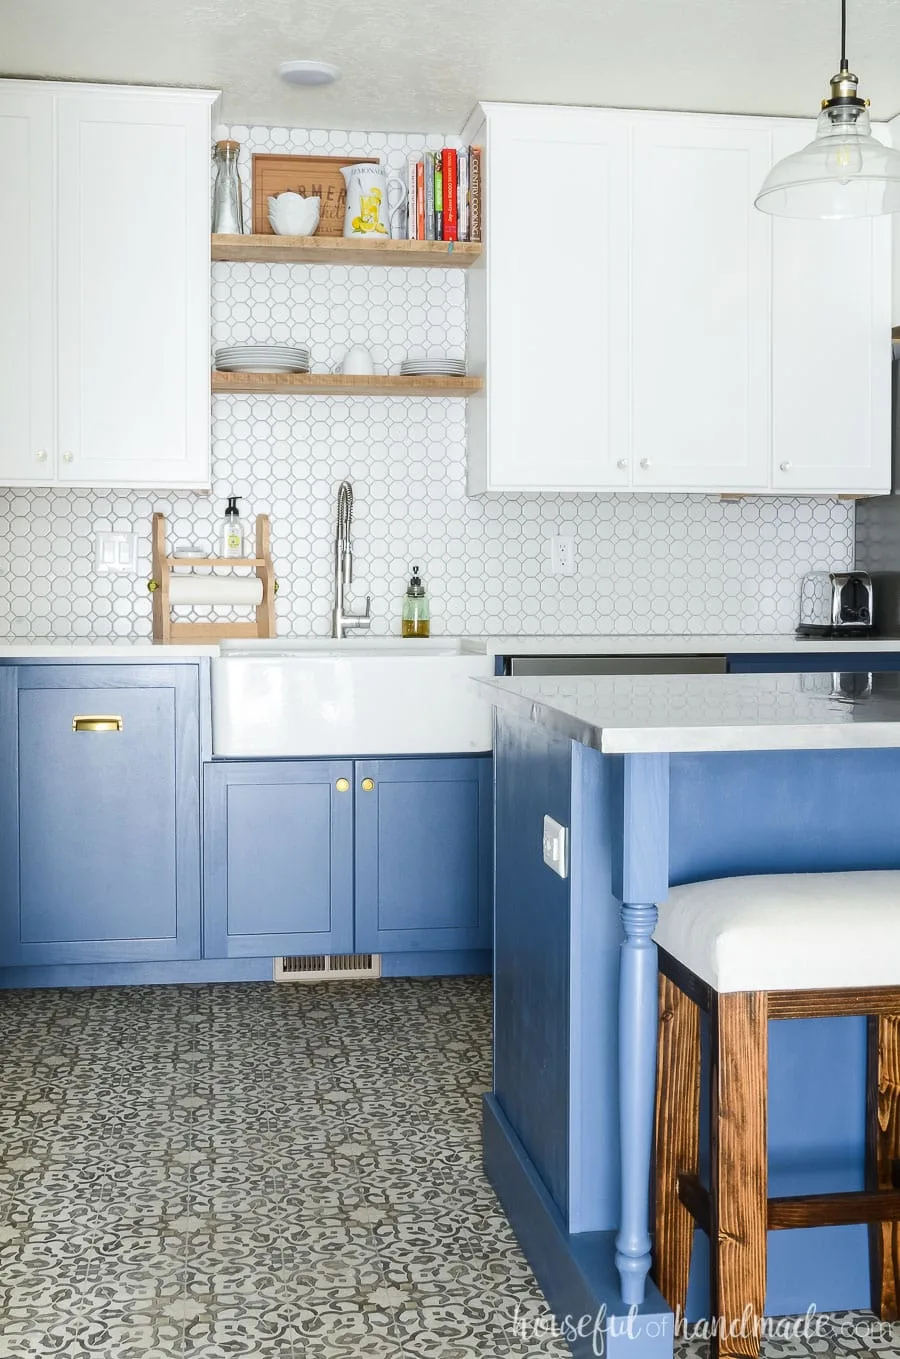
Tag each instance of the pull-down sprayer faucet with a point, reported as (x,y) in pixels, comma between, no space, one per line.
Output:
(341,622)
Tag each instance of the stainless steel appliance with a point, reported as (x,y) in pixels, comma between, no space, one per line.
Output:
(616,665)
(836,604)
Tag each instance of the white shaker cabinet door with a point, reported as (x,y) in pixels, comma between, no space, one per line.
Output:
(556,228)
(27,408)
(700,391)
(831,349)
(133,251)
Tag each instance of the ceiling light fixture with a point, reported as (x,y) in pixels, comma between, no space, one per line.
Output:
(845,172)
(309,72)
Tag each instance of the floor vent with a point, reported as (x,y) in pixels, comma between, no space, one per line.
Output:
(328,967)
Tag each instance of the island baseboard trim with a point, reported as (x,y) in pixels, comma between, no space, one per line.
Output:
(577,1272)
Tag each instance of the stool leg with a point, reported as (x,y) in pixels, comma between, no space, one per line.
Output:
(883,1149)
(677,1138)
(738,1171)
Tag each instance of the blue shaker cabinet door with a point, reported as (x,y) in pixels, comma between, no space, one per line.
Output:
(423,854)
(103,781)
(278,858)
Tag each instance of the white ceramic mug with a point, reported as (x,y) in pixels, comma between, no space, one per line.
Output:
(374,202)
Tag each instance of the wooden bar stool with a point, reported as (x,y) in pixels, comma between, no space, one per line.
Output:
(746,950)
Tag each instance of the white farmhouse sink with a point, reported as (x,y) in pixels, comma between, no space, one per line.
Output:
(379,696)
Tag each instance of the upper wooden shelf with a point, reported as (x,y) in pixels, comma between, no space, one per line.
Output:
(346,250)
(340,384)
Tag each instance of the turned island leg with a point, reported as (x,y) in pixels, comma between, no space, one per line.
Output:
(640,879)
(638,1012)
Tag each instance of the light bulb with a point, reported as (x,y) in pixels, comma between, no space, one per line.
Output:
(844,160)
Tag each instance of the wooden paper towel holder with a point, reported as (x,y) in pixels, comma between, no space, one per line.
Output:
(165,630)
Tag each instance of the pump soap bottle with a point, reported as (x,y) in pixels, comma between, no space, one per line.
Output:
(416,619)
(232,530)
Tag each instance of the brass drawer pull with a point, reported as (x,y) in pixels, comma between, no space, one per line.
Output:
(343,785)
(105,723)
(368,785)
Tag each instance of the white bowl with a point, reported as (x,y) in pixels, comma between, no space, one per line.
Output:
(290,214)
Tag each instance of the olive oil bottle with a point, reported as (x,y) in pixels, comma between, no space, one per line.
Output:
(416,620)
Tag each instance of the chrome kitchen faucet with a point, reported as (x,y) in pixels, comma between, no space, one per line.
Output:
(343,623)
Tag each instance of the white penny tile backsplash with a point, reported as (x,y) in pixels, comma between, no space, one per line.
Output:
(645,564)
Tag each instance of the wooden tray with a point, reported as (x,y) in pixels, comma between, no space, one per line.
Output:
(313,176)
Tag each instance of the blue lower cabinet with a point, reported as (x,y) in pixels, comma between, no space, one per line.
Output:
(423,854)
(278,858)
(100,808)
(789,663)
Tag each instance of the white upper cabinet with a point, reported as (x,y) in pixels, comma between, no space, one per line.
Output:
(27,408)
(123,245)
(700,311)
(641,326)
(831,349)
(554,292)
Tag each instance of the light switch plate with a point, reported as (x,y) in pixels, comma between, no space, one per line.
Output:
(556,847)
(116,554)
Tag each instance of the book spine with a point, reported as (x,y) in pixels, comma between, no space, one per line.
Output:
(411,226)
(438,198)
(475,192)
(428,160)
(462,195)
(420,202)
(448,159)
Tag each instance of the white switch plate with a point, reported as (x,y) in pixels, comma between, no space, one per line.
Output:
(116,554)
(562,555)
(556,847)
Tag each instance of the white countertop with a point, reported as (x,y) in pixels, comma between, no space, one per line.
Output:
(631,645)
(101,651)
(674,645)
(655,714)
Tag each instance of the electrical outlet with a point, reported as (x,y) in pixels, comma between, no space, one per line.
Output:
(116,554)
(562,555)
(556,846)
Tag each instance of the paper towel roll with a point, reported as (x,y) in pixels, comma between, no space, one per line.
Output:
(215,590)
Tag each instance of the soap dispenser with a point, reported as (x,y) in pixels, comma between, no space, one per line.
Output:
(416,621)
(232,530)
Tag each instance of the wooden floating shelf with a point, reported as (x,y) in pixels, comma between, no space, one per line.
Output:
(337,384)
(346,250)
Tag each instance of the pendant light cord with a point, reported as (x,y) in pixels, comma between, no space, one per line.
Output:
(844,66)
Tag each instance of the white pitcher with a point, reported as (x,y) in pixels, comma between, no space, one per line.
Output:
(374,202)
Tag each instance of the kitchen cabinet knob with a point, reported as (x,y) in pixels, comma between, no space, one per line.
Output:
(343,785)
(622,464)
(367,785)
(68,457)
(41,455)
(645,463)
(785,467)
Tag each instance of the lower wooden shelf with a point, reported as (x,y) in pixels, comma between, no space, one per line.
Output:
(337,384)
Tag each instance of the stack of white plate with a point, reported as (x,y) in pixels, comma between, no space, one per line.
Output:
(263,358)
(436,366)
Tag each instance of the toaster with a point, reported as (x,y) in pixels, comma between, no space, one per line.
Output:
(835,604)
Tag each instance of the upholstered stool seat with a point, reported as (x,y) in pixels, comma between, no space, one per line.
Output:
(746,950)
(786,931)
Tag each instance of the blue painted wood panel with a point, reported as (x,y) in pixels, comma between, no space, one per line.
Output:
(278,858)
(533,777)
(103,845)
(423,854)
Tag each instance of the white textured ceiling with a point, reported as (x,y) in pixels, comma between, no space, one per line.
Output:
(420,65)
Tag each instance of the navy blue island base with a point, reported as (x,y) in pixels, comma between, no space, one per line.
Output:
(567,1126)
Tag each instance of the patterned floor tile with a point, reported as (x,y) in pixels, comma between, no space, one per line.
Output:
(221,1172)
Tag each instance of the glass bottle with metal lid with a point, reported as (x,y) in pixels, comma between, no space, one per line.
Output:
(227,207)
(416,618)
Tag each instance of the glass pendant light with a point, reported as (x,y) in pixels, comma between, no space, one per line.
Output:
(845,172)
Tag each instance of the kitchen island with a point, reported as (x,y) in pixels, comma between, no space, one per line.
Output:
(658,781)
